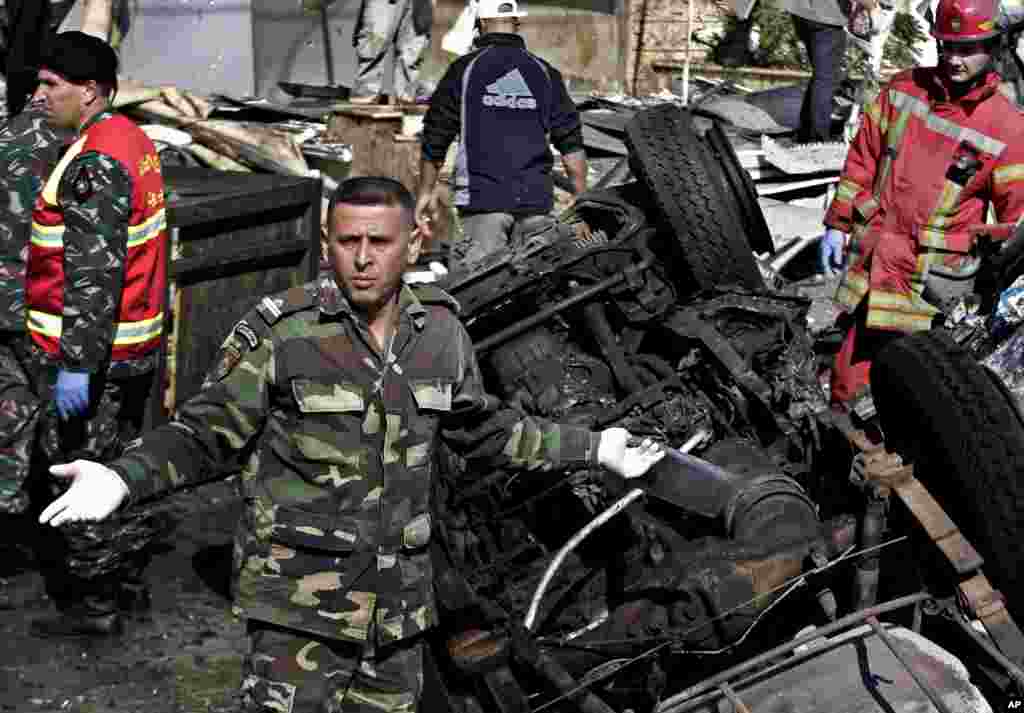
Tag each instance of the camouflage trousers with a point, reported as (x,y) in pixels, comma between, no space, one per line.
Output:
(385,27)
(19,414)
(289,671)
(97,566)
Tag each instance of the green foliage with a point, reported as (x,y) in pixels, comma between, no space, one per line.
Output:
(778,45)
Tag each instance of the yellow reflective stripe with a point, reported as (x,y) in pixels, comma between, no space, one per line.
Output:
(852,288)
(933,234)
(46,324)
(847,190)
(946,127)
(900,321)
(874,112)
(53,182)
(135,332)
(47,236)
(50,325)
(1008,174)
(867,207)
(148,229)
(895,310)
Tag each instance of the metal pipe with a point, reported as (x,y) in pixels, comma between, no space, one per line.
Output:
(1015,672)
(548,666)
(924,685)
(585,532)
(691,697)
(738,705)
(325,28)
(582,296)
(865,582)
(595,316)
(615,508)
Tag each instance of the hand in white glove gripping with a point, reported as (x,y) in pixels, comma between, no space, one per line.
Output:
(615,453)
(95,492)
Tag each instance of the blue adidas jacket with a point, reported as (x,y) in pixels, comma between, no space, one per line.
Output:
(505,105)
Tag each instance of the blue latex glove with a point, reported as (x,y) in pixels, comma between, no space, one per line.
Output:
(72,393)
(830,251)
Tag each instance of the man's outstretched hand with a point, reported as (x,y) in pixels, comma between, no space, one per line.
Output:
(615,453)
(95,492)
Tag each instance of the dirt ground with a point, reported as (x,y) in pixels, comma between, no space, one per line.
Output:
(184,656)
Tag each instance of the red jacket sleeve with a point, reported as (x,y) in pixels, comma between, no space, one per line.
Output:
(854,201)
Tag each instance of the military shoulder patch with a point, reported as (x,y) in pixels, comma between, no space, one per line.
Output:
(247,334)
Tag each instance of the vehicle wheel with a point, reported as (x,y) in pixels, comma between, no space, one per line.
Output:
(943,411)
(668,156)
(737,184)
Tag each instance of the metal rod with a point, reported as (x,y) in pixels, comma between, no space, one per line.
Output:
(924,685)
(581,296)
(687,699)
(689,56)
(613,510)
(737,704)
(1015,671)
(325,27)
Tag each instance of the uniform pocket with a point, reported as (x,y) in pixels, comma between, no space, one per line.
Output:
(432,394)
(318,397)
(306,530)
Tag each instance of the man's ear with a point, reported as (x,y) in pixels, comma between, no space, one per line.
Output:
(92,91)
(415,245)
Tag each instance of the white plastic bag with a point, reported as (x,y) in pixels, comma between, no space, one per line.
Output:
(459,39)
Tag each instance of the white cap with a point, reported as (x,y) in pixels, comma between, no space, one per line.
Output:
(495,9)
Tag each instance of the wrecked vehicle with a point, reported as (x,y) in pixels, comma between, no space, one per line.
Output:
(750,569)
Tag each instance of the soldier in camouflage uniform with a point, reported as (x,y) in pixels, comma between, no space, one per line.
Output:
(337,392)
(95,297)
(29,149)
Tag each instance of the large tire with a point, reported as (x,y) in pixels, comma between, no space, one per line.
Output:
(669,158)
(736,182)
(945,412)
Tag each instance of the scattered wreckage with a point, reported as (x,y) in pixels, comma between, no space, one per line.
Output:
(750,571)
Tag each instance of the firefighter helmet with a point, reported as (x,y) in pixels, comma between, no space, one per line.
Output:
(966,20)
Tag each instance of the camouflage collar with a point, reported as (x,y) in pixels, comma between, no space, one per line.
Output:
(333,301)
(103,115)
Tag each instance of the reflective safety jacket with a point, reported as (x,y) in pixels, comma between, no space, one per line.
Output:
(134,326)
(922,168)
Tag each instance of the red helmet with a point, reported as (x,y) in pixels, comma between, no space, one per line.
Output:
(966,20)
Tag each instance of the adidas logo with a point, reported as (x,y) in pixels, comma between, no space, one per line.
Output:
(510,91)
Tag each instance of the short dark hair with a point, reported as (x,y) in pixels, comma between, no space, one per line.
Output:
(373,191)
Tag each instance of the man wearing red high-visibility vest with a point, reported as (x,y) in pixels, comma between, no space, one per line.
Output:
(95,310)
(934,151)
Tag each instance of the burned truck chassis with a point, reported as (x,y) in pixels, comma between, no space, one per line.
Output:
(627,596)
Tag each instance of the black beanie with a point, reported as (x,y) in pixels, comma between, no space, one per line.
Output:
(79,57)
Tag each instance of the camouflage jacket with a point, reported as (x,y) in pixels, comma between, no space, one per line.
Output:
(340,442)
(29,149)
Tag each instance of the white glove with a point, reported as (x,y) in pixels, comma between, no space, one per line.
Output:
(95,492)
(625,460)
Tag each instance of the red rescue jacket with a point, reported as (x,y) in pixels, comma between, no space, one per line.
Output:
(921,169)
(139,324)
